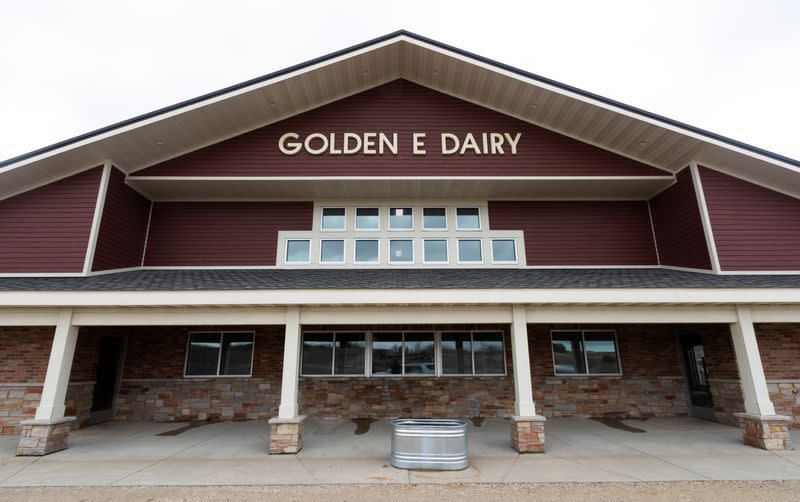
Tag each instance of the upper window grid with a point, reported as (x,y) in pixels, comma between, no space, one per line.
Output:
(328,244)
(466,246)
(367,219)
(434,219)
(513,250)
(401,219)
(333,219)
(298,244)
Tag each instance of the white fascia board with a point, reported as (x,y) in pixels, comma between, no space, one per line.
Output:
(632,314)
(601,104)
(321,297)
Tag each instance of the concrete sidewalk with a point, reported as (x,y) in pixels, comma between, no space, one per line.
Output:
(233,453)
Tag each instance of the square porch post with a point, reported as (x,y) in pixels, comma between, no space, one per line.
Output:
(527,428)
(286,429)
(761,427)
(48,431)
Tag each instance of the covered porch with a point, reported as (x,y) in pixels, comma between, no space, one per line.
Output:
(533,388)
(341,451)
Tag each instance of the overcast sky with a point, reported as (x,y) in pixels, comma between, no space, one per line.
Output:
(728,66)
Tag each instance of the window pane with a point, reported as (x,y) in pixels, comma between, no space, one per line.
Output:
(367,251)
(469,250)
(332,252)
(434,218)
(503,250)
(489,354)
(237,354)
(435,250)
(203,354)
(601,352)
(419,354)
(298,251)
(568,353)
(456,354)
(317,353)
(401,218)
(468,218)
(367,218)
(349,354)
(401,250)
(333,218)
(387,354)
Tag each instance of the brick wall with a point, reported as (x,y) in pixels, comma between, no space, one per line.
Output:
(779,345)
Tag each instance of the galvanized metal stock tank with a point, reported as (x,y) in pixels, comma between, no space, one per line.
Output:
(438,444)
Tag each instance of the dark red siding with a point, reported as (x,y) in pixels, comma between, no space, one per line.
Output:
(755,228)
(405,108)
(221,233)
(579,233)
(47,229)
(120,240)
(678,225)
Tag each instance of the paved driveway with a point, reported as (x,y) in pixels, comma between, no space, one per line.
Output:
(134,453)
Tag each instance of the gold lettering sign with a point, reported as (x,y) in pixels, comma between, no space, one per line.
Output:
(379,143)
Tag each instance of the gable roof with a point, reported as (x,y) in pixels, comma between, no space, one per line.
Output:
(162,134)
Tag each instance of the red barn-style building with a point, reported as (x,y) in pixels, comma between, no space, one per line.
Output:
(398,229)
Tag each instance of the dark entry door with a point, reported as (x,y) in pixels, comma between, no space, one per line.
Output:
(109,365)
(701,403)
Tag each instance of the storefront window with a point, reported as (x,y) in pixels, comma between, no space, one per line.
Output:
(419,358)
(387,354)
(585,352)
(219,354)
(339,353)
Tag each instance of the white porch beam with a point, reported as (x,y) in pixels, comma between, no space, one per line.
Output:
(28,317)
(291,365)
(631,314)
(51,405)
(406,315)
(775,313)
(179,316)
(523,391)
(751,371)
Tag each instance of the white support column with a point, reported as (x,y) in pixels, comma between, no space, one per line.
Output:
(523,391)
(751,371)
(51,406)
(291,365)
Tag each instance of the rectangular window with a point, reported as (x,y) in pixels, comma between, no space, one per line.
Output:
(585,352)
(469,251)
(401,251)
(219,354)
(340,353)
(331,251)
(368,218)
(473,353)
(468,218)
(434,218)
(298,251)
(504,251)
(401,218)
(366,251)
(396,353)
(333,219)
(434,250)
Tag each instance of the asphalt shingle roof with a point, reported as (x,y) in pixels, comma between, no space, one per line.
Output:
(477,278)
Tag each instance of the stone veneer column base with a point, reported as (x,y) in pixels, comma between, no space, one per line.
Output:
(527,434)
(769,432)
(43,436)
(285,435)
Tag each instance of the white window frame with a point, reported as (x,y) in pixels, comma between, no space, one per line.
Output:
(437,354)
(583,349)
(389,251)
(413,217)
(355,219)
(504,262)
(219,355)
(286,252)
(344,252)
(446,248)
(458,250)
(322,219)
(355,246)
(480,224)
(426,229)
